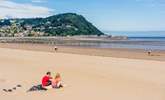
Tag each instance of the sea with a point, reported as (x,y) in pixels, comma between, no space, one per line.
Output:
(150,40)
(147,40)
(145,43)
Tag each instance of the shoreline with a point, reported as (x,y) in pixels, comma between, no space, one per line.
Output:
(158,55)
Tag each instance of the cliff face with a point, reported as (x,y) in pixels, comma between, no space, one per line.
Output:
(57,25)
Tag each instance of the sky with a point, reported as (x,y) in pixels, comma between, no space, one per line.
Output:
(107,15)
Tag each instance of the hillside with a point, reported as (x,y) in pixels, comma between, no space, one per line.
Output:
(57,25)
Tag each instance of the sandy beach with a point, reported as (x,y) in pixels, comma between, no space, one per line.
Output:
(87,77)
(109,52)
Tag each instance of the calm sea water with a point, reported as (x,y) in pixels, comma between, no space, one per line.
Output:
(145,43)
(153,40)
(136,40)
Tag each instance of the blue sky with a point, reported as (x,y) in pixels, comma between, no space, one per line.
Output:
(109,15)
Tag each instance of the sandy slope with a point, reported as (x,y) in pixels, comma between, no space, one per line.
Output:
(87,77)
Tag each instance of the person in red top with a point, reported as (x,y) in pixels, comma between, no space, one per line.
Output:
(46,81)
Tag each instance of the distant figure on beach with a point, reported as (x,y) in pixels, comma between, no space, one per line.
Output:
(55,48)
(46,81)
(57,82)
(149,53)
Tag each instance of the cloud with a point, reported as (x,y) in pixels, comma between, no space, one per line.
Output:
(22,10)
(39,1)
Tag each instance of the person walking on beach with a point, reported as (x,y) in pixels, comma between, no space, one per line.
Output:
(55,48)
(149,53)
(46,81)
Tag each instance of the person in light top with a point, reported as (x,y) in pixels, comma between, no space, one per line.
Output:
(57,81)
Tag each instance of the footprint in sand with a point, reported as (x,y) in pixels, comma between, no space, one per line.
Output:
(19,85)
(14,88)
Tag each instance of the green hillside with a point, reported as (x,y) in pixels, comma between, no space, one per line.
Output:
(57,25)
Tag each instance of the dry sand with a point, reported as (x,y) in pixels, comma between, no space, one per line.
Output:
(87,77)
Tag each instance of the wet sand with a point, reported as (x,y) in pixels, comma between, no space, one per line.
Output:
(117,53)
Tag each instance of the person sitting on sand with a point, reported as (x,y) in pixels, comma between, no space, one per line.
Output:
(57,82)
(46,81)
